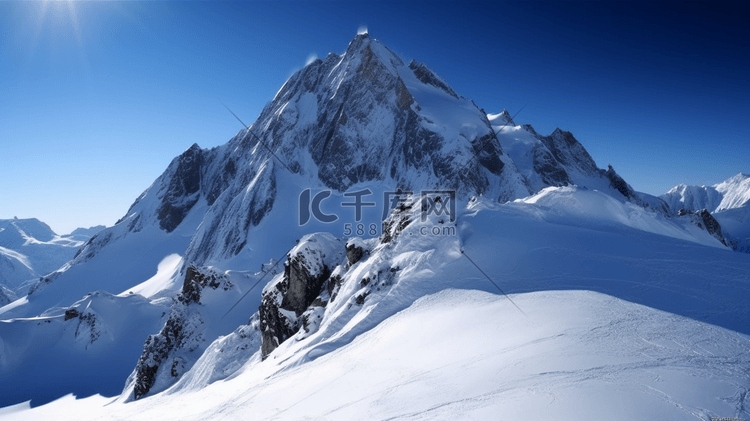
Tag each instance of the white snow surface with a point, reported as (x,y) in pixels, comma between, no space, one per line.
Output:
(465,354)
(616,322)
(521,143)
(47,356)
(165,280)
(735,192)
(587,208)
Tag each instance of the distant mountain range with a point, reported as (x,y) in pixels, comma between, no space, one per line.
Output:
(29,249)
(728,202)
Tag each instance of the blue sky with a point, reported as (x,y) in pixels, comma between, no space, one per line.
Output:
(97,98)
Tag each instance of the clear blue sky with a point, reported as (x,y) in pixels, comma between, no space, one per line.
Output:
(97,98)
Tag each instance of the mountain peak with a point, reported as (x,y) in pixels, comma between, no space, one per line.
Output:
(506,115)
(737,178)
(364,49)
(27,228)
(358,42)
(735,191)
(733,182)
(503,118)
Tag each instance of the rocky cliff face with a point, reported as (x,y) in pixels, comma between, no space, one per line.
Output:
(183,190)
(568,153)
(703,219)
(617,182)
(322,275)
(166,355)
(292,301)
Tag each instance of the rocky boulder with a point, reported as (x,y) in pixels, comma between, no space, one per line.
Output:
(304,284)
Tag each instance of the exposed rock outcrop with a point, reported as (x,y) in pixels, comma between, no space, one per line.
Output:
(551,172)
(282,306)
(181,194)
(354,251)
(427,76)
(401,216)
(275,326)
(197,280)
(703,219)
(288,298)
(89,327)
(71,313)
(569,152)
(294,303)
(182,333)
(156,351)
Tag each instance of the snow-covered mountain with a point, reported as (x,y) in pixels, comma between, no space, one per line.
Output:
(30,249)
(731,193)
(728,202)
(222,273)
(359,119)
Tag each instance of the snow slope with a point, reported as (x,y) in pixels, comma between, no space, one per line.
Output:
(736,226)
(50,355)
(615,323)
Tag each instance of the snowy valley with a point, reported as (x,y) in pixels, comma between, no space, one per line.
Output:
(376,246)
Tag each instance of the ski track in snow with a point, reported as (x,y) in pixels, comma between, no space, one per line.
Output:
(539,366)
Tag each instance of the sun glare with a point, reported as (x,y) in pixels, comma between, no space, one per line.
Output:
(57,19)
(61,12)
